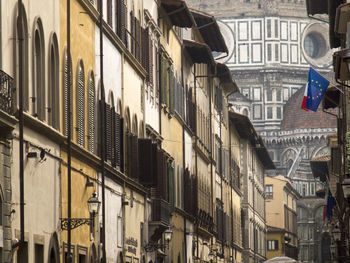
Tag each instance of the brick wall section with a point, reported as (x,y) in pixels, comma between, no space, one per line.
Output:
(296,118)
(5,180)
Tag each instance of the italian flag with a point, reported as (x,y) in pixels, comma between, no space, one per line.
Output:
(303,104)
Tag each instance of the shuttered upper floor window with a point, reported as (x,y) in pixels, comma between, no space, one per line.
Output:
(80,105)
(91,112)
(38,106)
(67,72)
(54,92)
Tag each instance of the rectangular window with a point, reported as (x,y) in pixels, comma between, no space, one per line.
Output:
(269,191)
(276,28)
(269,52)
(119,231)
(276,52)
(272,244)
(257,94)
(257,112)
(285,94)
(278,95)
(268,25)
(312,189)
(246,92)
(279,113)
(269,95)
(39,253)
(269,113)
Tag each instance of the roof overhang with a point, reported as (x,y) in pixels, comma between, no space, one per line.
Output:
(315,7)
(199,52)
(178,13)
(210,31)
(224,74)
(319,167)
(332,98)
(246,130)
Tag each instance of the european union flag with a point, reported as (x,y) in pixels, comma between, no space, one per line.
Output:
(317,86)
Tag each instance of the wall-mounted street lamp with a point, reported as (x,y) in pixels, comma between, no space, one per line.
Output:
(346,187)
(211,255)
(332,249)
(93,206)
(154,246)
(336,233)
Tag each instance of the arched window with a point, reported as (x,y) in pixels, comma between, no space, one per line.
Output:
(53,107)
(38,90)
(65,92)
(22,77)
(91,112)
(80,104)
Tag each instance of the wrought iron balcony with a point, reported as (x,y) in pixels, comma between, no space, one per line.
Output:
(6,93)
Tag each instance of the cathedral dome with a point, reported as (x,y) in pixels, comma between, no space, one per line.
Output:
(296,118)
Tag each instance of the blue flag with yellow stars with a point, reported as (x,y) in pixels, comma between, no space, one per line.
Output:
(317,86)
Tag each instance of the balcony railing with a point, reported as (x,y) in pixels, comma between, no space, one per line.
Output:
(6,93)
(160,211)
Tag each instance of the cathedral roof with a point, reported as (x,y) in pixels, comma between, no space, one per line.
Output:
(296,118)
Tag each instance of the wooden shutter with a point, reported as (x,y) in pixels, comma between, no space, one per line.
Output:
(128,154)
(134,157)
(138,38)
(132,28)
(172,90)
(150,58)
(109,13)
(121,136)
(91,117)
(65,96)
(65,116)
(80,108)
(146,161)
(117,144)
(145,53)
(113,137)
(123,23)
(108,132)
(99,125)
(164,80)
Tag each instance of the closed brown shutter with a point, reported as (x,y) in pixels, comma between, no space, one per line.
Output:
(172,90)
(146,162)
(113,137)
(122,151)
(117,144)
(123,23)
(145,53)
(132,33)
(108,132)
(109,13)
(134,157)
(150,58)
(65,94)
(99,124)
(138,39)
(128,154)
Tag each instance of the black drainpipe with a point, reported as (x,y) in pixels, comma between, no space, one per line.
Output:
(103,139)
(69,138)
(183,150)
(20,93)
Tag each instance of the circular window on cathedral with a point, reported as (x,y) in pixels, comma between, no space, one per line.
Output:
(315,45)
